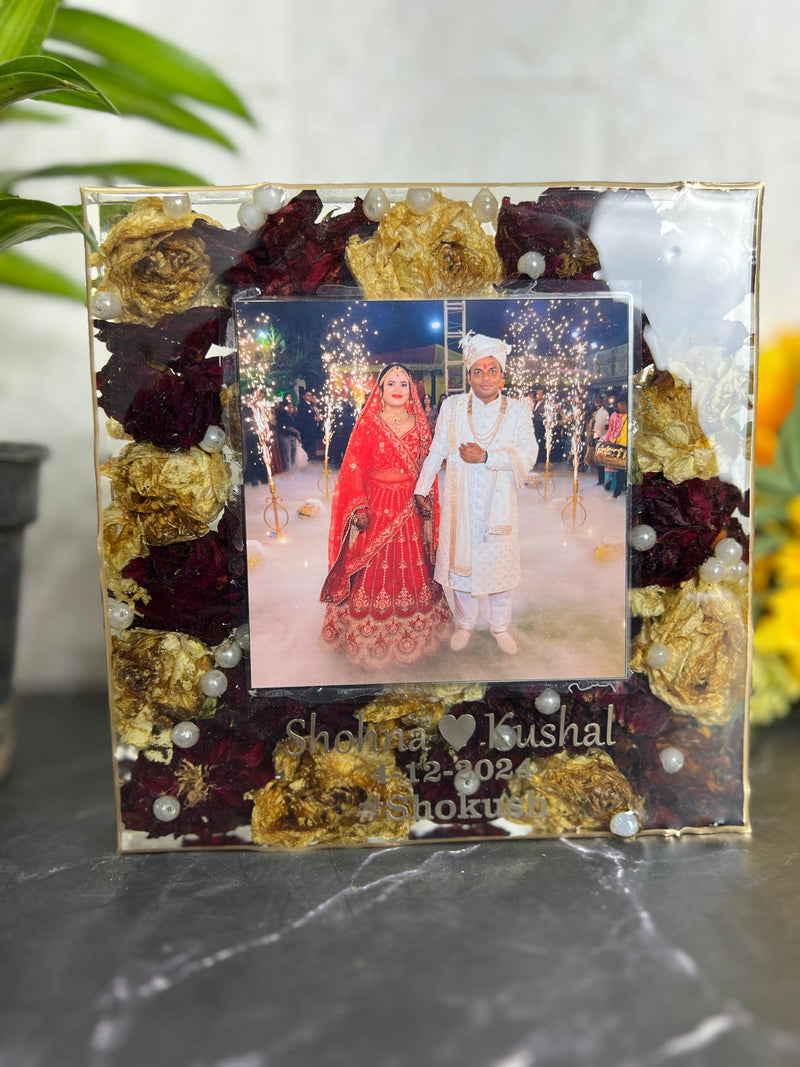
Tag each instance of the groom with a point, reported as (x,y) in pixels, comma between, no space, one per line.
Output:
(489,444)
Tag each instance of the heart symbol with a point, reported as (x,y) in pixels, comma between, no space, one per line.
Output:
(457,731)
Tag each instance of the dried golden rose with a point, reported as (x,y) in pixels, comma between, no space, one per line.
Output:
(172,496)
(156,678)
(668,436)
(330,798)
(704,628)
(580,792)
(444,252)
(154,263)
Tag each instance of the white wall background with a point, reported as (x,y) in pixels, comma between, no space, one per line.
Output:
(389,91)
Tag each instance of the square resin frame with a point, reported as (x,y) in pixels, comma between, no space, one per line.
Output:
(249,713)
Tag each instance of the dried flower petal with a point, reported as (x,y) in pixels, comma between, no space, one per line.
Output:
(557,227)
(155,264)
(321,798)
(156,681)
(172,495)
(195,585)
(581,792)
(213,781)
(292,254)
(444,252)
(705,631)
(668,437)
(689,518)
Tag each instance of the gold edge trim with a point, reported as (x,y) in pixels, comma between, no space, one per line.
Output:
(100,546)
(756,298)
(149,190)
(439,842)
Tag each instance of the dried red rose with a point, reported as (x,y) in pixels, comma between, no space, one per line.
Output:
(557,227)
(168,356)
(195,586)
(688,519)
(292,254)
(210,780)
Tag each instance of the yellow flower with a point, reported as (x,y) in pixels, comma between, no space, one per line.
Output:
(778,377)
(786,563)
(774,690)
(778,630)
(793,515)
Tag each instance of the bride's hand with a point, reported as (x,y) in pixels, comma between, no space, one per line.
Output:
(424,506)
(361,520)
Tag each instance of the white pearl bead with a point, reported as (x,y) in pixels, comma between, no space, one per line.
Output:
(250,216)
(485,205)
(735,572)
(213,440)
(227,654)
(376,204)
(268,198)
(467,782)
(106,305)
(625,824)
(420,200)
(642,537)
(120,615)
(658,656)
(532,264)
(242,636)
(548,702)
(504,737)
(166,808)
(728,550)
(176,205)
(712,570)
(213,683)
(672,759)
(185,734)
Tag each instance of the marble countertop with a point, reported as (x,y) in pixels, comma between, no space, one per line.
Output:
(504,953)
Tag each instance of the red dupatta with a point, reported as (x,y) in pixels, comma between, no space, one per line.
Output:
(374,449)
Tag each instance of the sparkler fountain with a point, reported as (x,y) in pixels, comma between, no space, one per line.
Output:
(551,337)
(259,343)
(346,358)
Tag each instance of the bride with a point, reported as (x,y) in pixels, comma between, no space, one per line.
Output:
(383,606)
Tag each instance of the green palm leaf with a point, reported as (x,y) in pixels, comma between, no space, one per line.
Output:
(24,220)
(22,272)
(132,95)
(24,25)
(162,64)
(32,76)
(132,171)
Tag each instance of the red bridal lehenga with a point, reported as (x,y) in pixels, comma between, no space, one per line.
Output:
(383,606)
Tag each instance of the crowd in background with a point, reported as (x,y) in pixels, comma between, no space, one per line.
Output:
(298,425)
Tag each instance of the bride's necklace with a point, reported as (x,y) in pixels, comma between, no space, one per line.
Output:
(395,420)
(485,441)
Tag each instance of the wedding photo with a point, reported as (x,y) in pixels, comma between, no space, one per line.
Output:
(423,498)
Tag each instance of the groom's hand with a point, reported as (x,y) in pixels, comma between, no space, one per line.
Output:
(471,452)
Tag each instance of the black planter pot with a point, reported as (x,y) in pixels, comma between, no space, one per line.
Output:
(19,488)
